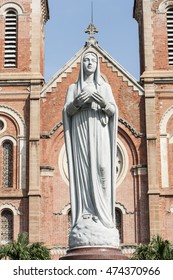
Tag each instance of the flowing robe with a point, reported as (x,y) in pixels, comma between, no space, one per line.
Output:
(90,137)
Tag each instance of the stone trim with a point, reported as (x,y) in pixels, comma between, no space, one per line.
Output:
(164,120)
(48,135)
(64,211)
(164,5)
(148,35)
(35,35)
(46,170)
(45,10)
(116,67)
(4,123)
(11,5)
(131,129)
(125,163)
(15,115)
(11,207)
(62,73)
(121,120)
(139,170)
(137,10)
(8,137)
(122,208)
(62,163)
(58,250)
(21,142)
(164,147)
(128,249)
(62,250)
(119,205)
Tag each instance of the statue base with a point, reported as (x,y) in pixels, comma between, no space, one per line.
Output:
(94,253)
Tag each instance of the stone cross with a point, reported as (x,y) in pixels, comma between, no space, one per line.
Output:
(91,30)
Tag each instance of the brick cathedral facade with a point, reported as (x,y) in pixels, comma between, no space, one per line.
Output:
(34,189)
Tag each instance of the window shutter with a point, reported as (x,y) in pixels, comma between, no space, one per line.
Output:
(10,54)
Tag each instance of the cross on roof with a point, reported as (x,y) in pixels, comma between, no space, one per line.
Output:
(91,30)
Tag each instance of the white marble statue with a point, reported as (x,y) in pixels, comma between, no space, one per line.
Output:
(90,119)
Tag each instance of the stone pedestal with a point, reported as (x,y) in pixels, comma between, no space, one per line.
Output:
(94,253)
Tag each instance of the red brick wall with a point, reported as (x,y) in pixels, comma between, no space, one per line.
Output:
(159,100)
(15,95)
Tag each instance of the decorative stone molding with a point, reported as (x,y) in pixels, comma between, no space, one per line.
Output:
(118,205)
(11,207)
(116,67)
(132,130)
(122,208)
(164,120)
(137,12)
(62,73)
(47,171)
(4,125)
(139,170)
(58,251)
(65,210)
(121,120)
(127,77)
(122,162)
(128,249)
(163,7)
(48,135)
(62,163)
(11,5)
(164,147)
(45,10)
(8,137)
(13,114)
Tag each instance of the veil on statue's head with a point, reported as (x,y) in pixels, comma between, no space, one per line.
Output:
(97,75)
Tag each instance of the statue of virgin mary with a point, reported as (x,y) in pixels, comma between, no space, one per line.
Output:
(90,118)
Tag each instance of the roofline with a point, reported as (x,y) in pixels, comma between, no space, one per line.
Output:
(122,69)
(76,59)
(62,70)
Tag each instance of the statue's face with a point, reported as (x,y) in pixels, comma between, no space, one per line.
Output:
(89,63)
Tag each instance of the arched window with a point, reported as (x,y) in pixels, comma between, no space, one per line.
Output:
(119,225)
(10,52)
(170,34)
(7,164)
(6,226)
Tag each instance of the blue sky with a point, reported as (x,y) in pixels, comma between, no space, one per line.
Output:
(65,36)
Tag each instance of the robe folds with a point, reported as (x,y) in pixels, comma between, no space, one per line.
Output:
(91,139)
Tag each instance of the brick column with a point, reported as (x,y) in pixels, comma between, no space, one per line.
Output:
(141,201)
(152,155)
(148,35)
(34,163)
